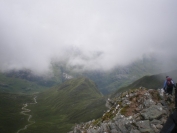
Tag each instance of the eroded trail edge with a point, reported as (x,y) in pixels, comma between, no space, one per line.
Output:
(24,112)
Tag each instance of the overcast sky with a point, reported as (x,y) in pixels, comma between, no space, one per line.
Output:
(104,32)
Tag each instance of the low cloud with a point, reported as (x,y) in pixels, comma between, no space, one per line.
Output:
(96,34)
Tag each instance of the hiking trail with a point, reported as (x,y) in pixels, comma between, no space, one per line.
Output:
(24,112)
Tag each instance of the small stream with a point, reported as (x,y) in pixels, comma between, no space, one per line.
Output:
(24,112)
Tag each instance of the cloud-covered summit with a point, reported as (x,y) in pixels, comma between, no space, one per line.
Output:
(106,33)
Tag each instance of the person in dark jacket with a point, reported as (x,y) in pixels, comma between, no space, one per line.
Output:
(171,124)
(168,85)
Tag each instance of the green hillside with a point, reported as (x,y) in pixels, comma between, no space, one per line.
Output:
(108,80)
(151,82)
(25,81)
(18,85)
(10,106)
(59,108)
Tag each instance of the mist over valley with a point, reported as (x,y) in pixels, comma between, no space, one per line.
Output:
(79,65)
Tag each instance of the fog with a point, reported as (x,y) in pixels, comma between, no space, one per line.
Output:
(98,34)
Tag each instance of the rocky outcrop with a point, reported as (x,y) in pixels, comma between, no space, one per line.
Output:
(134,111)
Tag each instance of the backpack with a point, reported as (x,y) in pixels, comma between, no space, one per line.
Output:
(169,82)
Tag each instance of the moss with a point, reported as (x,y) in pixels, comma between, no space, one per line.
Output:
(124,94)
(108,116)
(97,122)
(124,110)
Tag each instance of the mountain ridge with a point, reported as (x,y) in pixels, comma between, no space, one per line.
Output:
(136,111)
(18,85)
(108,81)
(79,100)
(152,81)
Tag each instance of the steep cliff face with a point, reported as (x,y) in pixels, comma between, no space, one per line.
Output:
(134,111)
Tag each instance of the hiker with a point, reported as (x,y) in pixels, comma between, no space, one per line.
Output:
(168,85)
(171,124)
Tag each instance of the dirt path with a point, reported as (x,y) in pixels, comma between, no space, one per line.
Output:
(24,112)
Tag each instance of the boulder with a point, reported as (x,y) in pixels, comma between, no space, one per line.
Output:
(144,126)
(153,112)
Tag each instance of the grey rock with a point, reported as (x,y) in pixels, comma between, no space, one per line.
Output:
(113,126)
(135,131)
(154,128)
(155,122)
(105,127)
(115,131)
(148,102)
(124,124)
(148,116)
(122,127)
(159,126)
(93,131)
(153,112)
(144,126)
(129,126)
(140,107)
(163,120)
(77,130)
(125,102)
(157,131)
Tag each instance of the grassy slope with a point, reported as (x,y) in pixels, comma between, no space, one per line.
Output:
(10,107)
(151,82)
(59,108)
(133,72)
(109,81)
(16,85)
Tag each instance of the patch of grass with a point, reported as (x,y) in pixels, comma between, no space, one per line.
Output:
(124,110)
(10,108)
(97,122)
(59,108)
(20,86)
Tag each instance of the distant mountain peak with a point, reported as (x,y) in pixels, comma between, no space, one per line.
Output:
(81,84)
